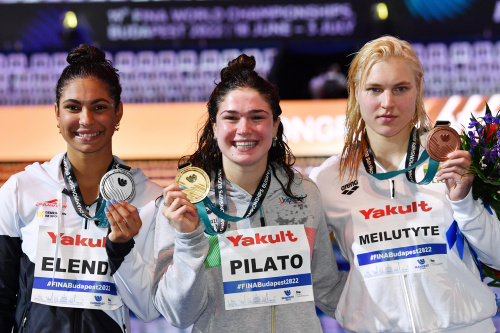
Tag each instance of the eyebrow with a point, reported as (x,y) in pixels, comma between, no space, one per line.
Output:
(95,101)
(249,111)
(396,84)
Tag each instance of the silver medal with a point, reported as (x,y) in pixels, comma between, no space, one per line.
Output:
(117,184)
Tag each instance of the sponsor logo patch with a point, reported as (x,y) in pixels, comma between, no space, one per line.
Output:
(50,203)
(349,188)
(288,294)
(47,214)
(289,201)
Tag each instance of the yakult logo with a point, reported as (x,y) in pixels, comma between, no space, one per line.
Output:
(78,240)
(396,210)
(282,236)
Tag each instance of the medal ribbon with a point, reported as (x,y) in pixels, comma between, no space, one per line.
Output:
(73,191)
(253,206)
(221,200)
(410,165)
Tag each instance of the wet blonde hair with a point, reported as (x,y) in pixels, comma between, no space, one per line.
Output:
(373,52)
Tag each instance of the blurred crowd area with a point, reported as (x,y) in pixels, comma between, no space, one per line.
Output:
(146,76)
(460,68)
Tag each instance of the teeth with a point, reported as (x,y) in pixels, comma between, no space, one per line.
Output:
(245,144)
(88,135)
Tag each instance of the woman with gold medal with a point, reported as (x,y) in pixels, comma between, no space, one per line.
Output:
(254,255)
(72,257)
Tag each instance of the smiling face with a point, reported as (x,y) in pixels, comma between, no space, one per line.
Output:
(87,116)
(244,129)
(387,100)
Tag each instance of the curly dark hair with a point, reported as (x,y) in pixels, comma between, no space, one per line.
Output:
(89,61)
(240,74)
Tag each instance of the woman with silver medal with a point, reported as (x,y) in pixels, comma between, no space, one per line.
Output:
(228,262)
(72,254)
(395,219)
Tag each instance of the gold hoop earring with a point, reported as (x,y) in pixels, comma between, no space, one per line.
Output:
(59,127)
(117,126)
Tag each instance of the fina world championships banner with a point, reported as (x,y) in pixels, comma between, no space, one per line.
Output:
(37,26)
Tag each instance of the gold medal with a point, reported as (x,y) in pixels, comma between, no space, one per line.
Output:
(441,141)
(196,182)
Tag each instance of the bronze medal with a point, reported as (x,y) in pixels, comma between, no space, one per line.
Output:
(441,141)
(195,181)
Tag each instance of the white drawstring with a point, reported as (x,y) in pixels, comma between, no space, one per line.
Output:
(408,303)
(58,235)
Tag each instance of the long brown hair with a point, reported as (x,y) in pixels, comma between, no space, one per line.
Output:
(240,74)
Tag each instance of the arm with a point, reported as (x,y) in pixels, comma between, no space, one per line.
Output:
(131,259)
(180,289)
(481,229)
(10,254)
(328,281)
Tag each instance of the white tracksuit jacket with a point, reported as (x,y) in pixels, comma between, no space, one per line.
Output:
(33,198)
(429,288)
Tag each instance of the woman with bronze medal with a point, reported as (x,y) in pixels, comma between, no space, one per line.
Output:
(72,256)
(413,237)
(254,255)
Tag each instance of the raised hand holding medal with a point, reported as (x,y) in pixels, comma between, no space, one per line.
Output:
(189,195)
(191,185)
(117,186)
(443,144)
(440,143)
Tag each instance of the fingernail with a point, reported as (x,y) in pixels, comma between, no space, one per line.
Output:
(113,201)
(108,203)
(182,187)
(120,200)
(106,209)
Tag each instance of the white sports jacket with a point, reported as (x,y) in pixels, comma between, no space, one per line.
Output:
(34,198)
(404,277)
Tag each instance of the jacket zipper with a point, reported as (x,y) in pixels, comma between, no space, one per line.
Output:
(123,319)
(28,303)
(78,320)
(25,318)
(407,298)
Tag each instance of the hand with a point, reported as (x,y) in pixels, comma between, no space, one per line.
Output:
(455,173)
(124,220)
(181,212)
